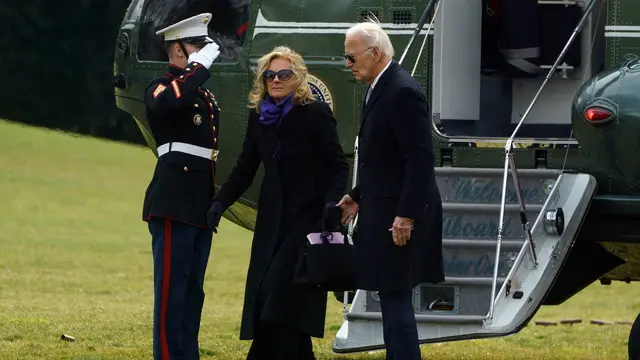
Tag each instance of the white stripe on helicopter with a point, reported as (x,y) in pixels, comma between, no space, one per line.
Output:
(622,28)
(622,31)
(622,34)
(264,26)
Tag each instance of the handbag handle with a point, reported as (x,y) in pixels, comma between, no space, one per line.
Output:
(330,222)
(324,235)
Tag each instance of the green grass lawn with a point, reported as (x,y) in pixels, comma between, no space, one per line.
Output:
(75,258)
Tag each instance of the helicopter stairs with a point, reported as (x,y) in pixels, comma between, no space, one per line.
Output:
(460,308)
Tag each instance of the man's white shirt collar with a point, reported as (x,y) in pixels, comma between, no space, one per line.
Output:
(373,84)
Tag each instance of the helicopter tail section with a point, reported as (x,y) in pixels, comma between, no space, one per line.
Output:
(461,307)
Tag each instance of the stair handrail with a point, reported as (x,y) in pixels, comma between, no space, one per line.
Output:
(352,223)
(424,40)
(509,162)
(418,29)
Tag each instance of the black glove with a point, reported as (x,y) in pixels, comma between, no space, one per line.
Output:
(214,215)
(331,217)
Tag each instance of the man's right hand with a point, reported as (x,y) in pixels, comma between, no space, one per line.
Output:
(205,56)
(214,215)
(349,209)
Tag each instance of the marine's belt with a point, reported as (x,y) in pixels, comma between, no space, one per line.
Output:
(210,154)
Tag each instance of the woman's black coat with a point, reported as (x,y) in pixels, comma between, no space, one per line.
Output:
(310,172)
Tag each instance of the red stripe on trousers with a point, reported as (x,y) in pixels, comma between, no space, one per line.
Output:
(166,276)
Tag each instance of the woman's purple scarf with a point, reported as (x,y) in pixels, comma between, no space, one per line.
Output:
(271,113)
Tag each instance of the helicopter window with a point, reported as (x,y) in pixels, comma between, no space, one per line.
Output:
(133,11)
(366,13)
(402,16)
(227,27)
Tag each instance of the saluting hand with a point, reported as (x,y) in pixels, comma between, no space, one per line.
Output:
(349,209)
(205,56)
(401,230)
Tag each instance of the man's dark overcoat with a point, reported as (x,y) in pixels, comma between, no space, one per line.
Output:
(310,171)
(396,177)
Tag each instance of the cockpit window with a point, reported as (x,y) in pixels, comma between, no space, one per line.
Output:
(227,27)
(133,11)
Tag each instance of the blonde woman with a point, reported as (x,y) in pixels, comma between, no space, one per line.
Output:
(294,136)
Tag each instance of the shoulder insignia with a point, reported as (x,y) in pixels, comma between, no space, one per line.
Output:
(159,89)
(176,89)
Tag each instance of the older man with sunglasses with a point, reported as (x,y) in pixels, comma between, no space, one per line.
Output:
(183,116)
(399,240)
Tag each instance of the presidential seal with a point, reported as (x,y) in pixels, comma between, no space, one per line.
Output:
(320,90)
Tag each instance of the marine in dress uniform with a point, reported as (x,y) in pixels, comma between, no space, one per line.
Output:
(184,120)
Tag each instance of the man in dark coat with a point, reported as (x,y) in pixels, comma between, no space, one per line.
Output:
(183,117)
(399,240)
(295,138)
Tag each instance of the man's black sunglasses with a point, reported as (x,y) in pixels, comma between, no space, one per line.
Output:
(352,58)
(349,58)
(283,75)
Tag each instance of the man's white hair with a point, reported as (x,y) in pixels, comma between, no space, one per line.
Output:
(373,35)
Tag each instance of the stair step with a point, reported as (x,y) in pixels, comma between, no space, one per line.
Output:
(491,208)
(481,221)
(451,280)
(420,318)
(472,185)
(468,296)
(485,244)
(496,172)
(462,262)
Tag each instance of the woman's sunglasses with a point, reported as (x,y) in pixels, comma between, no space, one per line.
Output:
(283,75)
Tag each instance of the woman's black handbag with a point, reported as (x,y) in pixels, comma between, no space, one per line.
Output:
(330,256)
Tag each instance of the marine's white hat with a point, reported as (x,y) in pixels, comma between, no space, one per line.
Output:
(193,27)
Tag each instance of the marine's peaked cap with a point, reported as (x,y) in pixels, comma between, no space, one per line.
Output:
(195,26)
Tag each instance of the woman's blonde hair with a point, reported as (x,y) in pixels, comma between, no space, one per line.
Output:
(303,94)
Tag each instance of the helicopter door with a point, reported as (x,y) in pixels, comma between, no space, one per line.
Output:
(490,57)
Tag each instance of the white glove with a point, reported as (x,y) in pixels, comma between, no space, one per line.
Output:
(206,55)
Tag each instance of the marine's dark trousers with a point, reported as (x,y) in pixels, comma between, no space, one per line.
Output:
(399,326)
(180,256)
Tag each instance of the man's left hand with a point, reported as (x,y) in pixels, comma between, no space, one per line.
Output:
(401,230)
